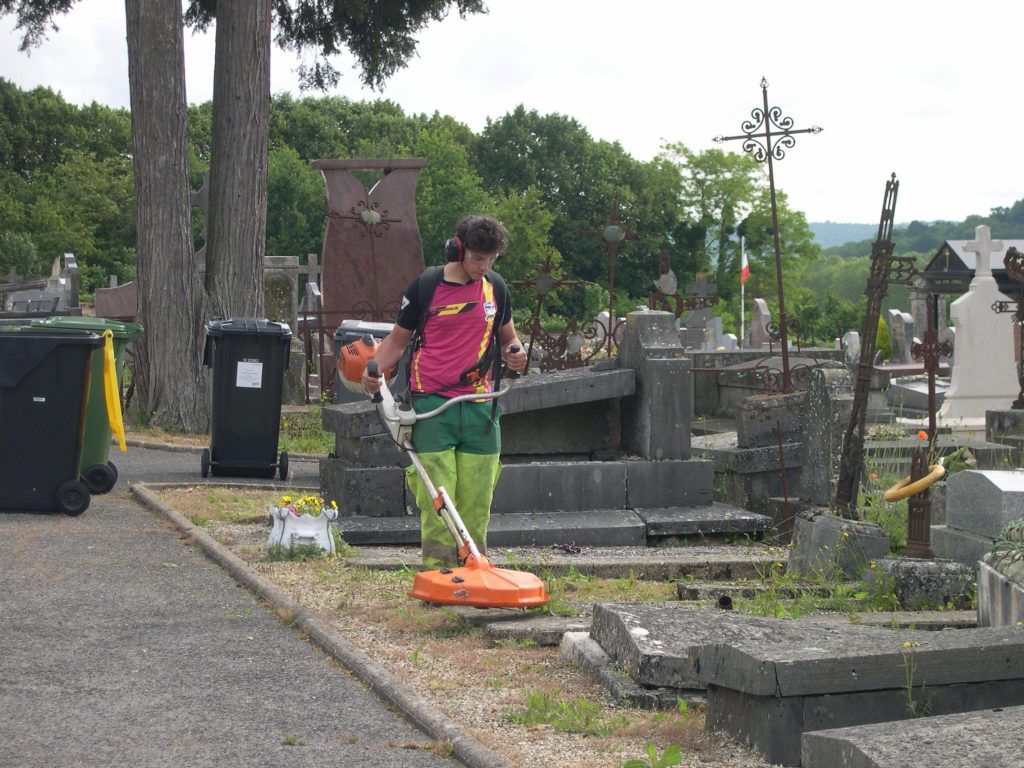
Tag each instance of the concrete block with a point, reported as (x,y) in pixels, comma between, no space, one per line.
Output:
(962,546)
(582,429)
(560,486)
(964,740)
(540,391)
(676,483)
(937,496)
(712,520)
(357,419)
(1000,600)
(828,544)
(761,418)
(651,641)
(984,501)
(922,585)
(1000,424)
(593,528)
(370,491)
(364,531)
(369,451)
(656,420)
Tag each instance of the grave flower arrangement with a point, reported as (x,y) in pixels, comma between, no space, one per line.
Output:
(311,505)
(302,522)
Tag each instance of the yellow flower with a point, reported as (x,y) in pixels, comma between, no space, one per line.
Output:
(906,644)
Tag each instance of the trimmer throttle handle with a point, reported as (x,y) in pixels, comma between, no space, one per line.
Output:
(514,374)
(373,371)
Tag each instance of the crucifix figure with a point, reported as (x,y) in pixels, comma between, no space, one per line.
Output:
(757,139)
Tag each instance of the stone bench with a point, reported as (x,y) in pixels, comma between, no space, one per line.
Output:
(769,681)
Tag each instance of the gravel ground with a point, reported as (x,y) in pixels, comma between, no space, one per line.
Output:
(478,683)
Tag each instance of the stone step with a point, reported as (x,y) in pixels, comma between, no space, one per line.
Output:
(591,528)
(989,737)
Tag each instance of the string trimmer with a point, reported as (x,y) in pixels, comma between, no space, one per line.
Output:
(475,582)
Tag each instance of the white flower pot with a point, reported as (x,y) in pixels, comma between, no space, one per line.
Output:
(290,530)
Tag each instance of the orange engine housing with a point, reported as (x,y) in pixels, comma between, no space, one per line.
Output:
(352,359)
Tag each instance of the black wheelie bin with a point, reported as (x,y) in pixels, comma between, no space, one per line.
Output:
(248,358)
(44,390)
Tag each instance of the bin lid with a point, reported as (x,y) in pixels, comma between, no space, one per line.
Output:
(356,329)
(21,352)
(247,325)
(121,330)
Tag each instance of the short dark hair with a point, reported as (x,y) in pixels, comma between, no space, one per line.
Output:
(482,234)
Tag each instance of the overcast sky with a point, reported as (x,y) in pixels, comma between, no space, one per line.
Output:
(929,91)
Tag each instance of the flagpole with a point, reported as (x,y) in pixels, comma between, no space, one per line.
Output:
(743,292)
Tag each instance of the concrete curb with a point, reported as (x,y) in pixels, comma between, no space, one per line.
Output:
(391,689)
(155,446)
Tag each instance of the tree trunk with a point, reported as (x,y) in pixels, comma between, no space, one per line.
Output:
(170,378)
(237,220)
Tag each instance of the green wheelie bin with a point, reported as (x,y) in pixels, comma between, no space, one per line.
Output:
(97,471)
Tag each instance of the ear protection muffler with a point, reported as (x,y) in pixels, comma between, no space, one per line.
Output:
(453,249)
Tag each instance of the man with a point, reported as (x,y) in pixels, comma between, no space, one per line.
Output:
(461,314)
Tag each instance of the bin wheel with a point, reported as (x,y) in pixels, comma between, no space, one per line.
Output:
(113,468)
(73,497)
(100,478)
(282,466)
(204,462)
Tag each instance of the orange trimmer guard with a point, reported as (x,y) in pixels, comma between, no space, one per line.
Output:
(480,585)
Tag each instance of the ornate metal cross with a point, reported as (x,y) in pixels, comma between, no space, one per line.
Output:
(1014,263)
(757,137)
(571,341)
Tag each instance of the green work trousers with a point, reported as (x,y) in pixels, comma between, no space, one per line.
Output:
(460,454)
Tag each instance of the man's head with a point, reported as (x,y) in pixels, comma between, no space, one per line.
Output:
(479,241)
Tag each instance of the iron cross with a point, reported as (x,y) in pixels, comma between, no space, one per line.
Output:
(768,124)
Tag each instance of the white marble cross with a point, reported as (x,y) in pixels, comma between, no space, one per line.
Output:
(983,245)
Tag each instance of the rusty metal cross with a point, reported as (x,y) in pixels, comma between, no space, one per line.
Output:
(1014,263)
(767,125)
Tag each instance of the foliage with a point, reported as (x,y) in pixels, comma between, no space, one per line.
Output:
(381,37)
(576,716)
(671,756)
(310,504)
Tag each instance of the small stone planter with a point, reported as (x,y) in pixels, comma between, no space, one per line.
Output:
(1000,598)
(291,530)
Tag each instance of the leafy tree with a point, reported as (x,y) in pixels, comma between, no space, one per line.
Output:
(297,205)
(718,189)
(18,252)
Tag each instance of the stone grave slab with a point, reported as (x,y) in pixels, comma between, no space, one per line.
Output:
(769,681)
(982,502)
(990,738)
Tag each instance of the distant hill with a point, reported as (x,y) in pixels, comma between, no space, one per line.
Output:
(830,233)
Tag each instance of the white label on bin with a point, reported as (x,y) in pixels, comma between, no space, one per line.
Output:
(38,399)
(249,374)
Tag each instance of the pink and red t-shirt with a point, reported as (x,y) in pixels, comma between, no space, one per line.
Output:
(459,328)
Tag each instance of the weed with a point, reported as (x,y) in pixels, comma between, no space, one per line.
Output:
(671,756)
(919,706)
(300,553)
(291,740)
(576,716)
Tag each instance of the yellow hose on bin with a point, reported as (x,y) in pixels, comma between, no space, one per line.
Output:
(111,390)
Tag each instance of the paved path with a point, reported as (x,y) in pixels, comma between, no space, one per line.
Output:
(121,645)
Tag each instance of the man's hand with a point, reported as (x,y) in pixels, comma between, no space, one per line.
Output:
(514,356)
(371,384)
